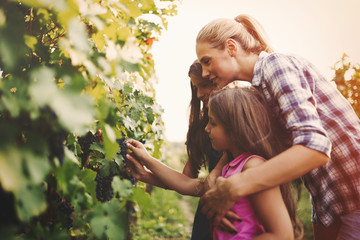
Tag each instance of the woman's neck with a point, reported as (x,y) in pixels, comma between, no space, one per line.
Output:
(247,64)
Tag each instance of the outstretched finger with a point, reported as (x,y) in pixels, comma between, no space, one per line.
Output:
(226,225)
(232,216)
(133,160)
(131,144)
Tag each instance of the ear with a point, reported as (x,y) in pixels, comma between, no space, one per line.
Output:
(231,47)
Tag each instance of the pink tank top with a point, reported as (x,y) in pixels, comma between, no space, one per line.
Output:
(250,226)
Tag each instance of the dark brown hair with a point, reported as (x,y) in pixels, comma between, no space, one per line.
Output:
(246,118)
(198,144)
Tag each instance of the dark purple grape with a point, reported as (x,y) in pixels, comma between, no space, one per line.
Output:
(85,143)
(66,208)
(103,189)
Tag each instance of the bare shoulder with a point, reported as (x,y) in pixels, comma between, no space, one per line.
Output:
(253,162)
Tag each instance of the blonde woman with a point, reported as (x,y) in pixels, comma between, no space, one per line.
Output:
(325,130)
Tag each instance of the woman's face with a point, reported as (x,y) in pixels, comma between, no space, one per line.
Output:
(204,88)
(217,134)
(217,65)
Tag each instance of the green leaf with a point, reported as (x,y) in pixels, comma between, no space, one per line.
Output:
(75,112)
(11,170)
(108,220)
(87,176)
(122,187)
(30,41)
(19,167)
(64,175)
(71,156)
(77,35)
(96,146)
(143,199)
(11,104)
(110,145)
(43,88)
(30,202)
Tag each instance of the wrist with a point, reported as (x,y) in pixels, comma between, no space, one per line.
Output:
(234,188)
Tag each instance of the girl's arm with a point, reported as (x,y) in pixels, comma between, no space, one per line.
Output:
(171,178)
(270,209)
(183,184)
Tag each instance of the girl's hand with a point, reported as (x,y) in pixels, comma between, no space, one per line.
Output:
(138,151)
(136,169)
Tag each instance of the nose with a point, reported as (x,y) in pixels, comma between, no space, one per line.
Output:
(207,128)
(199,93)
(205,72)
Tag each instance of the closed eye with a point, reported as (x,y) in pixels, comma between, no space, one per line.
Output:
(205,61)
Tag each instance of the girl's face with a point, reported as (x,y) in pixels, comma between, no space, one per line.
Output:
(217,134)
(218,65)
(204,88)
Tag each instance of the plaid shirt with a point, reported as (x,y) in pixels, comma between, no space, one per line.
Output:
(320,118)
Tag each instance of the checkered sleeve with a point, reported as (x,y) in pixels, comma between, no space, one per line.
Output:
(292,88)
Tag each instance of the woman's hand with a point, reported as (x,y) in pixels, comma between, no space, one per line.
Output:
(217,201)
(225,223)
(139,152)
(136,169)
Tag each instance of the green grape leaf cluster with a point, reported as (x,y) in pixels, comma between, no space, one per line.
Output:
(76,79)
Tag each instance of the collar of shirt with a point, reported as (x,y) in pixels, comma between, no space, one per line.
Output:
(257,69)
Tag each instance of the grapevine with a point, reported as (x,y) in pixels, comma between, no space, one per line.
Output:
(71,91)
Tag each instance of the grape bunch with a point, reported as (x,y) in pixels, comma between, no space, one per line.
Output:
(85,143)
(104,190)
(123,152)
(56,145)
(123,147)
(66,209)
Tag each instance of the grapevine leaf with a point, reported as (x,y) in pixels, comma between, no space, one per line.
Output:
(87,177)
(30,41)
(43,88)
(110,145)
(77,35)
(11,174)
(108,220)
(30,201)
(64,175)
(11,104)
(122,187)
(142,198)
(97,147)
(71,156)
(74,112)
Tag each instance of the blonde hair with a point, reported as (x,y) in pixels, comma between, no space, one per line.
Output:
(246,118)
(244,29)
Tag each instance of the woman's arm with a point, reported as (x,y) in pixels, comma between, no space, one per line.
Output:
(171,178)
(287,166)
(271,210)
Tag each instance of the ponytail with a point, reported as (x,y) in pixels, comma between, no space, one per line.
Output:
(244,29)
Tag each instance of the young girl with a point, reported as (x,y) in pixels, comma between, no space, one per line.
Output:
(239,124)
(199,150)
(325,130)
